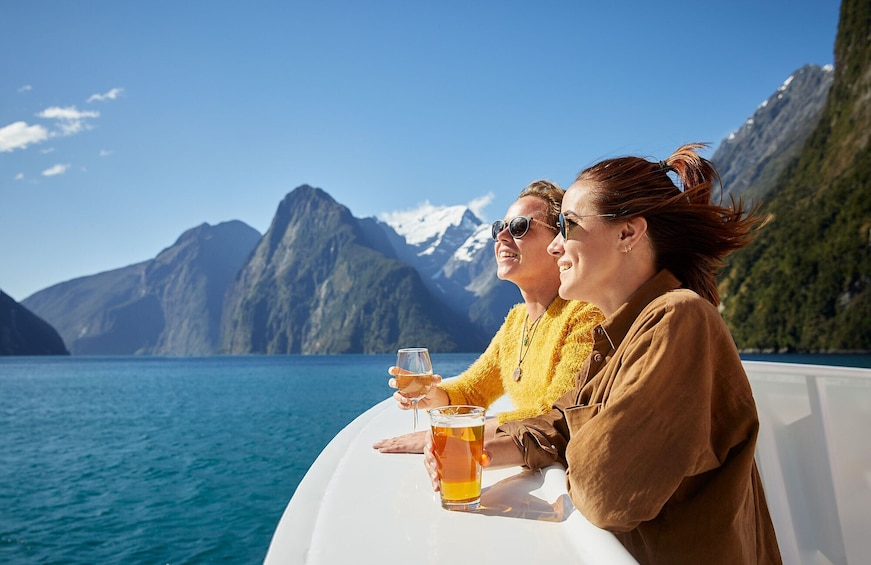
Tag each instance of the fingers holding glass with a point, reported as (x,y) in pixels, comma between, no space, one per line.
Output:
(413,375)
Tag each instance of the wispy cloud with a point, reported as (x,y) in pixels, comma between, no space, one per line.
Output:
(105,152)
(478,204)
(68,113)
(19,176)
(111,95)
(19,135)
(56,170)
(70,119)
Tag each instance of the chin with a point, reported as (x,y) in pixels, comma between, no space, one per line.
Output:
(565,291)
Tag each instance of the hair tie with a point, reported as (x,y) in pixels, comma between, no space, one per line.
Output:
(665,167)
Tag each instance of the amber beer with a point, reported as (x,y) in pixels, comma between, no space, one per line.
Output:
(458,445)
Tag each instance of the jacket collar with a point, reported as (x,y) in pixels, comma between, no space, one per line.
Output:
(617,325)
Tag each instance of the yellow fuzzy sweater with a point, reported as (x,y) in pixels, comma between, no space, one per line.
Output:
(559,346)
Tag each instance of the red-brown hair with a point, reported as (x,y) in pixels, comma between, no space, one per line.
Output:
(690,235)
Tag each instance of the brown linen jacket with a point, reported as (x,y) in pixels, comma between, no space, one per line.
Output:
(658,435)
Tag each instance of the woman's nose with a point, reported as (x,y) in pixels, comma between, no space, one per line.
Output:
(555,247)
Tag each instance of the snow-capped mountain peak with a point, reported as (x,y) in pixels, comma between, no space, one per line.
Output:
(468,252)
(426,222)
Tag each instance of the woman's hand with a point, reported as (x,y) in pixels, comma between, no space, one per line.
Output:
(409,443)
(434,397)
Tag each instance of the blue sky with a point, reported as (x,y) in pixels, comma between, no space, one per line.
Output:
(125,123)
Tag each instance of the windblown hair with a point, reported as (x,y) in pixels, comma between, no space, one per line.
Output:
(551,193)
(690,235)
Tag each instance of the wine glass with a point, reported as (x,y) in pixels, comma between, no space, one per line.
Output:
(414,378)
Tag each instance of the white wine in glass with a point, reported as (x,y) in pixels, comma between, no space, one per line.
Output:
(414,378)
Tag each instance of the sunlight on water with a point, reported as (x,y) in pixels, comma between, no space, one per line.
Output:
(174,460)
(167,460)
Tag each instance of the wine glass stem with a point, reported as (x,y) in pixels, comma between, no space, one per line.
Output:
(414,406)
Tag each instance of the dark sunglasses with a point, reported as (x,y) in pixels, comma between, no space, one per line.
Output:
(517,227)
(564,223)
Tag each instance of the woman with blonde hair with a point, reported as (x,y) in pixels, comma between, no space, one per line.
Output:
(544,340)
(658,434)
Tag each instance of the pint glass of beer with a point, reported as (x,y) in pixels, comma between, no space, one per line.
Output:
(458,440)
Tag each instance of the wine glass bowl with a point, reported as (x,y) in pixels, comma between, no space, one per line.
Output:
(414,377)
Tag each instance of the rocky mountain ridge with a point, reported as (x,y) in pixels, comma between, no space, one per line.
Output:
(319,283)
(750,159)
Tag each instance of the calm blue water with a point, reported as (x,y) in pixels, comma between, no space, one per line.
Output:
(175,460)
(167,460)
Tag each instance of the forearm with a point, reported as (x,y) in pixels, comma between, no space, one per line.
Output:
(502,450)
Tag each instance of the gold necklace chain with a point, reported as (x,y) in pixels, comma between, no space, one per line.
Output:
(527,342)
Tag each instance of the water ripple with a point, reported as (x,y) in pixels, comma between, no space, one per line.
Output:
(166,460)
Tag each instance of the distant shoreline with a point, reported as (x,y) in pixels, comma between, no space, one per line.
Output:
(847,359)
(826,352)
(844,359)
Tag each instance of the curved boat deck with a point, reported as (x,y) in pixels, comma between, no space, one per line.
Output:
(357,503)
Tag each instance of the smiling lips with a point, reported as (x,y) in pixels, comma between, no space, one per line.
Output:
(563,267)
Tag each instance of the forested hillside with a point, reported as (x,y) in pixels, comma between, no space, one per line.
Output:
(804,284)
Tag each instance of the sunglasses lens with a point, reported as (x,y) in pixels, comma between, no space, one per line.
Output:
(561,224)
(518,227)
(496,228)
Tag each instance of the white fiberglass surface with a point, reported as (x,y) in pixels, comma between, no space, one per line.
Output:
(814,455)
(358,503)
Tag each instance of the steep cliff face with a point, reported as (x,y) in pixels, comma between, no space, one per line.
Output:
(189,281)
(750,160)
(315,284)
(106,313)
(168,305)
(805,284)
(24,333)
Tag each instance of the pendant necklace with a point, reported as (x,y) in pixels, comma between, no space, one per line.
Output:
(527,343)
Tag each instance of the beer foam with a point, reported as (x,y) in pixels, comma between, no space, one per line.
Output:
(454,422)
(458,416)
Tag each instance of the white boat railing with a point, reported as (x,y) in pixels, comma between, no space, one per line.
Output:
(813,452)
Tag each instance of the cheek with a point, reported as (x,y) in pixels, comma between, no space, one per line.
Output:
(583,266)
(575,253)
(548,260)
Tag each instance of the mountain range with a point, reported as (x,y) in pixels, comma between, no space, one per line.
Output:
(318,281)
(169,305)
(322,281)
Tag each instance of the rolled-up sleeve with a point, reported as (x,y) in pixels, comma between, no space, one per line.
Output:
(542,440)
